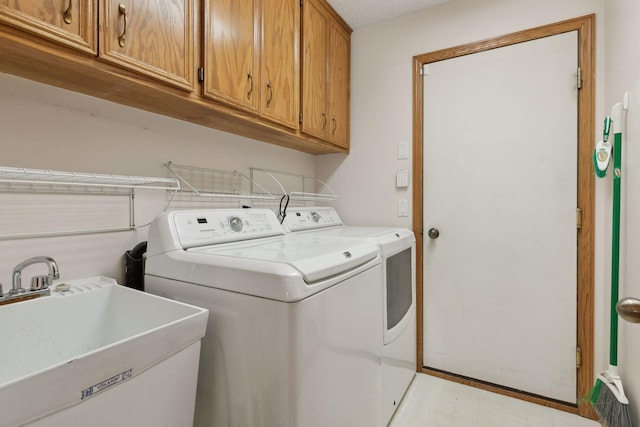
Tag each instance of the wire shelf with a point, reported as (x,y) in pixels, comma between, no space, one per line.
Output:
(20,181)
(51,177)
(198,183)
(298,186)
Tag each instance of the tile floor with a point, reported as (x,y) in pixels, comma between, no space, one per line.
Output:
(433,402)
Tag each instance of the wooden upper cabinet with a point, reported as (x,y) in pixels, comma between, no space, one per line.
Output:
(155,38)
(251,56)
(339,85)
(326,48)
(280,75)
(231,52)
(274,70)
(315,30)
(70,23)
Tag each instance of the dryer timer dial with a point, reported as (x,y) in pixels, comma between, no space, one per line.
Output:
(235,223)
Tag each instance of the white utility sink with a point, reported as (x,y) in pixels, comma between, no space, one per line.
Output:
(99,344)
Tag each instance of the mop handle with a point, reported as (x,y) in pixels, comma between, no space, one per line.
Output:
(616,113)
(615,251)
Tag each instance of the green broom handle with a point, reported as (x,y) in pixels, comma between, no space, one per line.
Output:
(615,248)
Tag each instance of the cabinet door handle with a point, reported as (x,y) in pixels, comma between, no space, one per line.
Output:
(335,125)
(122,39)
(66,16)
(250,78)
(270,93)
(324,121)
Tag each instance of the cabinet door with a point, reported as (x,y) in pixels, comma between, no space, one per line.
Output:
(280,78)
(339,84)
(71,23)
(152,37)
(315,120)
(231,60)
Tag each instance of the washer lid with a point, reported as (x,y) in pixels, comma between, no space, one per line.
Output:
(364,232)
(390,240)
(315,257)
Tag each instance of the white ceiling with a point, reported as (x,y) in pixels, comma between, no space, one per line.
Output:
(358,13)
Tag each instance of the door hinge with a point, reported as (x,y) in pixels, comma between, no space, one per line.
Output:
(578,357)
(424,70)
(300,118)
(578,218)
(201,74)
(300,3)
(579,78)
(422,231)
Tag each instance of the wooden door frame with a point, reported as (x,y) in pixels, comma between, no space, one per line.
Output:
(585,26)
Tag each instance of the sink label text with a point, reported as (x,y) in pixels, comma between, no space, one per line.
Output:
(105,384)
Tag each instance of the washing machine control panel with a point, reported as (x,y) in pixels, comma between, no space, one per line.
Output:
(210,227)
(309,218)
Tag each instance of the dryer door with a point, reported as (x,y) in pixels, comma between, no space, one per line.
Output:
(400,292)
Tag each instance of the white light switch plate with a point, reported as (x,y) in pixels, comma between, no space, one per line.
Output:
(403,150)
(402,178)
(403,208)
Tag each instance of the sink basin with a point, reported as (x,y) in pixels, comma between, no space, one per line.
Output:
(85,342)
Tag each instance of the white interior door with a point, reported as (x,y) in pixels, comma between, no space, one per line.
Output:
(500,186)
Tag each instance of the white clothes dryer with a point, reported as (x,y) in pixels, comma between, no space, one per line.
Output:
(289,342)
(397,249)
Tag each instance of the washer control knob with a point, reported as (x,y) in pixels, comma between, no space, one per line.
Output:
(315,216)
(235,223)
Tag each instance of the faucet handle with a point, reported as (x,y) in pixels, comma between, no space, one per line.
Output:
(17,291)
(40,282)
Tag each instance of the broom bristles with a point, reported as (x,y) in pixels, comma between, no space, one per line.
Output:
(610,411)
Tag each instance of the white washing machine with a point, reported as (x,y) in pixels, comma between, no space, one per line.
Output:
(289,342)
(397,249)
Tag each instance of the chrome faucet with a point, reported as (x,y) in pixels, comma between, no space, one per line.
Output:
(37,282)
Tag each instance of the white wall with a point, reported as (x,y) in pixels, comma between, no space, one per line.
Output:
(381,106)
(381,91)
(44,127)
(623,75)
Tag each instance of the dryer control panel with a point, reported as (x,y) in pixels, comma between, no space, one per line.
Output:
(215,226)
(311,218)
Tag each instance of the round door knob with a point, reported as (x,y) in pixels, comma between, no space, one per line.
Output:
(433,233)
(629,309)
